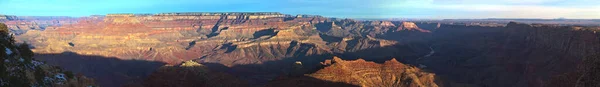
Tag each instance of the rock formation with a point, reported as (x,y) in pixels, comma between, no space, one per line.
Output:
(410,26)
(516,55)
(367,74)
(19,69)
(259,47)
(231,39)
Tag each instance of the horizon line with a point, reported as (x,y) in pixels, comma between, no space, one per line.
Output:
(359,18)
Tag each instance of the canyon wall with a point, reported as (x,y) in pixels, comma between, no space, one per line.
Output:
(230,39)
(264,47)
(532,55)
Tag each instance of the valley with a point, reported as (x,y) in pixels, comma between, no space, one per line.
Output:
(274,49)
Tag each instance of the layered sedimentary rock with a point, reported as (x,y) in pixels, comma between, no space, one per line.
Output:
(258,47)
(411,26)
(231,39)
(21,24)
(369,74)
(131,36)
(366,74)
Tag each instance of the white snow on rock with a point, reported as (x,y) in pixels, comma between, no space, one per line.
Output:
(60,76)
(8,52)
(36,63)
(48,79)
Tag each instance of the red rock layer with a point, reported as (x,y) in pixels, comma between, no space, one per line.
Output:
(367,74)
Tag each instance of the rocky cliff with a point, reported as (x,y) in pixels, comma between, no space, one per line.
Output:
(259,47)
(365,74)
(131,36)
(512,55)
(230,39)
(21,24)
(369,74)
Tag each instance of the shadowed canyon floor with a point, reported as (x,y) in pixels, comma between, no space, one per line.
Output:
(273,49)
(107,71)
(18,68)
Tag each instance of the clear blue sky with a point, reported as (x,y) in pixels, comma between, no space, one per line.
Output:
(436,9)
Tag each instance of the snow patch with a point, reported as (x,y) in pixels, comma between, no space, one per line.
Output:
(60,76)
(48,79)
(36,63)
(8,52)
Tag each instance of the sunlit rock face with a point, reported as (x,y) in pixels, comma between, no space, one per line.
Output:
(21,24)
(230,39)
(258,47)
(410,26)
(130,36)
(176,37)
(365,74)
(369,74)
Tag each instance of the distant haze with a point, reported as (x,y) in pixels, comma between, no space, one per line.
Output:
(429,9)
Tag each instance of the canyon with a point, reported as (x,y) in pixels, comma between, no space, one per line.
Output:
(272,49)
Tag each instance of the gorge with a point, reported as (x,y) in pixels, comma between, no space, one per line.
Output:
(273,49)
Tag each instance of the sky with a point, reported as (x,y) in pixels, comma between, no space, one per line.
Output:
(426,9)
